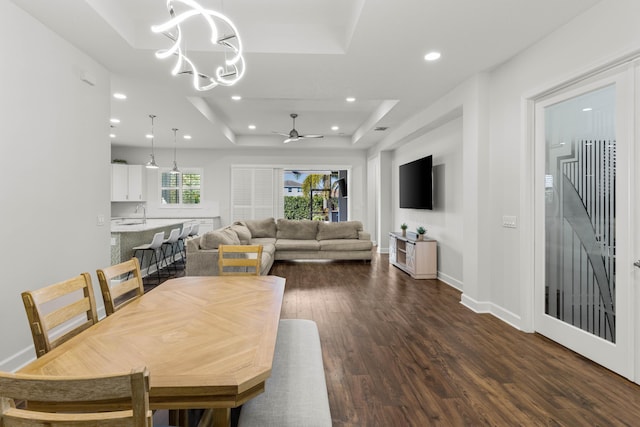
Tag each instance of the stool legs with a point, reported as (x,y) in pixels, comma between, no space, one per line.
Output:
(154,257)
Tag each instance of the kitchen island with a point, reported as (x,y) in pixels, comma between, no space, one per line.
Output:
(127,233)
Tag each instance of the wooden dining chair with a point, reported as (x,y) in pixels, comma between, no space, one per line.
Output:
(49,318)
(239,260)
(129,284)
(63,393)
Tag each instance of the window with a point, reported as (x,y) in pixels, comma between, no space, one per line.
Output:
(181,189)
(254,193)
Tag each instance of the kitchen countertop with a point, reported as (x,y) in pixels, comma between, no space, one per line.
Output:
(135,225)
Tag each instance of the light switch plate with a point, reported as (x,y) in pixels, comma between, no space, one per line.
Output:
(509,221)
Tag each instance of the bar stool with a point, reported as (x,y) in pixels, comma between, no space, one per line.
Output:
(186,231)
(194,230)
(152,247)
(171,244)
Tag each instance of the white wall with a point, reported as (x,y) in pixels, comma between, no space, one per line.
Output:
(443,223)
(55,159)
(469,101)
(217,170)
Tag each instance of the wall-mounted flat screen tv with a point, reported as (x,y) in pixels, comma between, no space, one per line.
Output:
(416,184)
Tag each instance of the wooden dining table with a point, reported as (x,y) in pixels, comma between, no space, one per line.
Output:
(208,342)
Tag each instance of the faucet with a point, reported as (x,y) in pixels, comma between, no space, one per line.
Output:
(144,212)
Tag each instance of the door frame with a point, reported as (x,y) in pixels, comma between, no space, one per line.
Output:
(627,64)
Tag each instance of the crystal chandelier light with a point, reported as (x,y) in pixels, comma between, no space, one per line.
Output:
(226,74)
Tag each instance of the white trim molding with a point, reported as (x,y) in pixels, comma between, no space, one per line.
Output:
(493,309)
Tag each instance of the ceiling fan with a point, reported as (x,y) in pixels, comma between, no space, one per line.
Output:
(293,134)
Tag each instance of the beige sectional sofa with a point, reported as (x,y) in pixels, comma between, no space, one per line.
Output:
(281,240)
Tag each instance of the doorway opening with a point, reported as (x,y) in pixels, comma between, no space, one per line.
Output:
(316,195)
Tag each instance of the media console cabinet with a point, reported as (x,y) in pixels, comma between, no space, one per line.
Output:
(419,258)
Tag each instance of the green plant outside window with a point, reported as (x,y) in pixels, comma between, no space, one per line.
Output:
(180,188)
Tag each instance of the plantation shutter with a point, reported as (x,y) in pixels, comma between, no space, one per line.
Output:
(255,193)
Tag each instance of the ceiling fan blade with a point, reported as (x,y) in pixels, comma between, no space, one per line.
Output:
(280,133)
(288,140)
(311,136)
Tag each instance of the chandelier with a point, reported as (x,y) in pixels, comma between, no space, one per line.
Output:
(223,33)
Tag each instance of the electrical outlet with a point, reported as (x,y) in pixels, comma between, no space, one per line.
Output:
(509,221)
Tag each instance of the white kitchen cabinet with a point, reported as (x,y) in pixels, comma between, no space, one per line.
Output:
(128,183)
(419,258)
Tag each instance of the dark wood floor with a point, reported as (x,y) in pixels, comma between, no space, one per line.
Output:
(403,352)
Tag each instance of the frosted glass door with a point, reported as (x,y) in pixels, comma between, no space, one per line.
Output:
(580,212)
(583,222)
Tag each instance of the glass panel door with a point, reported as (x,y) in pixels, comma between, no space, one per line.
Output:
(580,212)
(582,221)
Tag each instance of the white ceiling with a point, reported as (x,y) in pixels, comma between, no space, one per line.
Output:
(302,56)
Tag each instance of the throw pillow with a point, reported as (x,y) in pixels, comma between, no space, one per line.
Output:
(243,233)
(212,239)
(339,230)
(297,229)
(261,227)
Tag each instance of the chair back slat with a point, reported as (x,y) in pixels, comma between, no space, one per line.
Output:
(63,314)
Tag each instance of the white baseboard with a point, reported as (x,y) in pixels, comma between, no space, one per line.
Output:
(454,283)
(493,309)
(18,360)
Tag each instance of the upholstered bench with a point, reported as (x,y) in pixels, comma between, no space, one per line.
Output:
(296,392)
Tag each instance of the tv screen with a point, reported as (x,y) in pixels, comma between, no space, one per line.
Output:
(416,184)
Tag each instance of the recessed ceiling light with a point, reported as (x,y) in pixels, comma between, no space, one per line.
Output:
(118,95)
(112,135)
(114,120)
(587,109)
(351,99)
(149,136)
(236,97)
(187,136)
(252,127)
(334,128)
(432,56)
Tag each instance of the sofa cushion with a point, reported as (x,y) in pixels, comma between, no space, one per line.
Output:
(263,241)
(269,248)
(243,233)
(338,230)
(297,229)
(345,245)
(261,227)
(212,239)
(266,262)
(297,245)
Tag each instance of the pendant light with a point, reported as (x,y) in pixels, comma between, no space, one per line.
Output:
(151,164)
(175,169)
